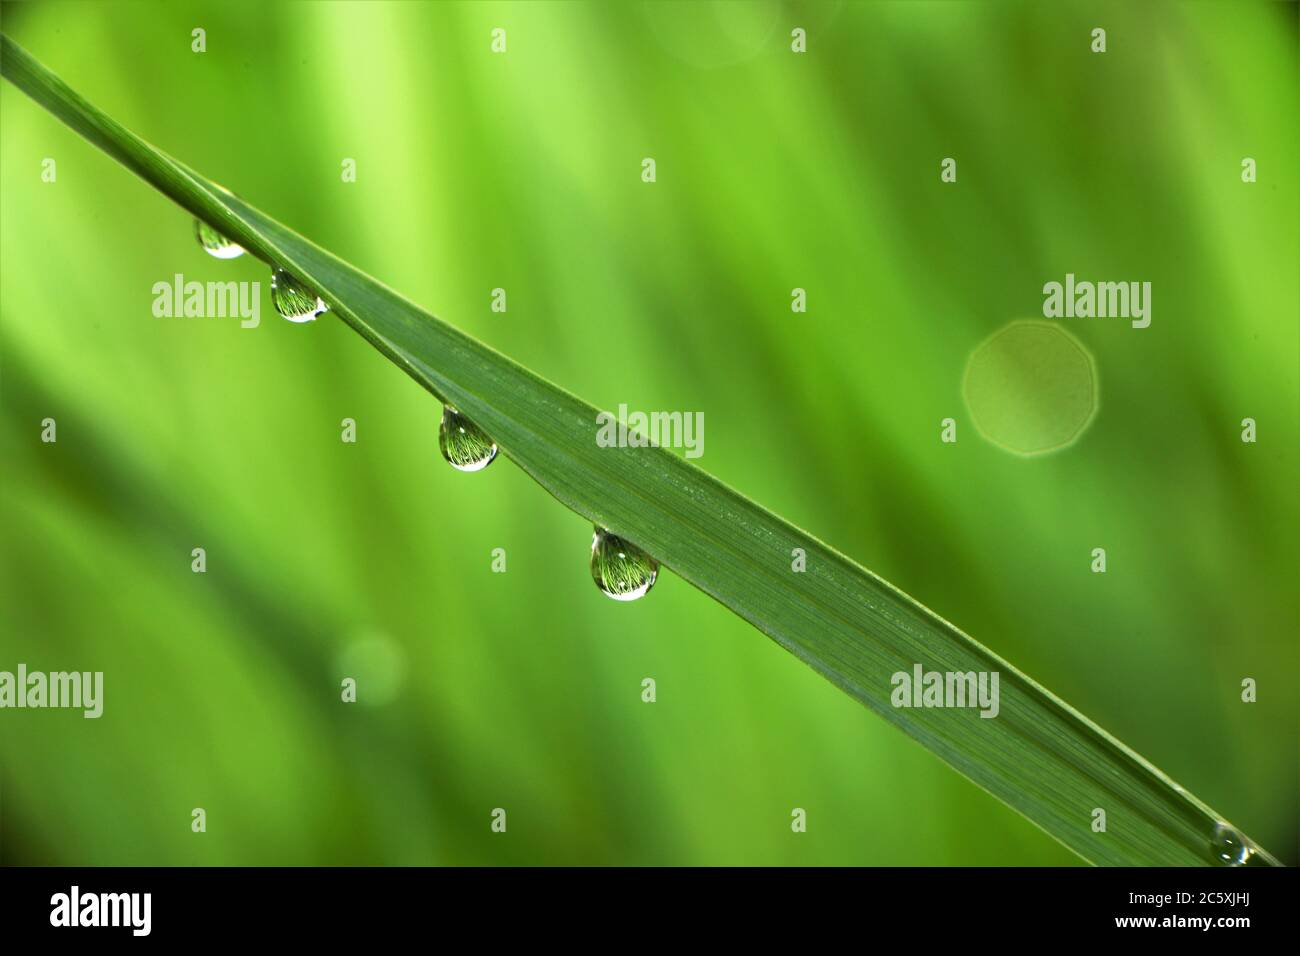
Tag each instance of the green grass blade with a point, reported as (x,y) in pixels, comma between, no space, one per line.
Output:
(1038,754)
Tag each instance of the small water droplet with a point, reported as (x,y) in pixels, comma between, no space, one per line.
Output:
(214,243)
(1231,848)
(463,443)
(293,300)
(619,568)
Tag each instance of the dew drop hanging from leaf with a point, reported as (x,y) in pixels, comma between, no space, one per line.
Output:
(463,443)
(214,243)
(1230,848)
(621,569)
(293,300)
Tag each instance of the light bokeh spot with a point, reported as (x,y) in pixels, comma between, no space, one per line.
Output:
(713,33)
(376,663)
(1031,387)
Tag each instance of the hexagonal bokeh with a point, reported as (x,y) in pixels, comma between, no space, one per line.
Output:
(1031,387)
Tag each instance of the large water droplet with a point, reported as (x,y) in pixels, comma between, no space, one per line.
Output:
(214,243)
(463,443)
(1231,848)
(293,300)
(620,568)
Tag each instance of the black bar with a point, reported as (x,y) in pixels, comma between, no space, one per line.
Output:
(363,905)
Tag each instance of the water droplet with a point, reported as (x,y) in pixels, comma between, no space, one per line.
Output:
(463,443)
(1231,848)
(293,300)
(214,243)
(619,568)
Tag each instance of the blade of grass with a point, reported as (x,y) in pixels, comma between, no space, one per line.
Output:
(1038,754)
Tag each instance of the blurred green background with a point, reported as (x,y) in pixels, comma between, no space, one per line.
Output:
(522,171)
